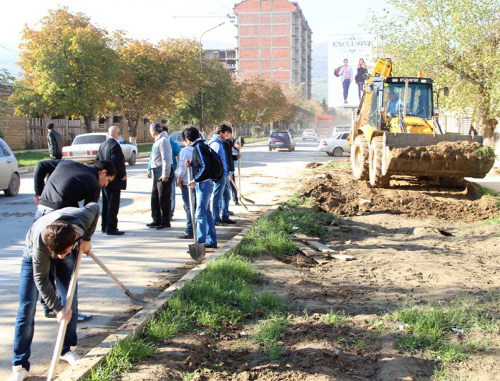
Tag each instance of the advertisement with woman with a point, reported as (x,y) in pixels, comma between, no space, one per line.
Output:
(350,58)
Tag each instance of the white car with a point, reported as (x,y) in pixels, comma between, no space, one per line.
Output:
(309,134)
(336,145)
(86,146)
(9,172)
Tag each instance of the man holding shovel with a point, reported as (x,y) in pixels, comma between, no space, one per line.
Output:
(48,245)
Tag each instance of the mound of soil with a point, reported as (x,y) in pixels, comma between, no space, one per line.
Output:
(336,191)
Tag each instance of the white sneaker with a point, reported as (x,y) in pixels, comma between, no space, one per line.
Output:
(18,373)
(71,358)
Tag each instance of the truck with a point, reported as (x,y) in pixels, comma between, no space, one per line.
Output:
(324,125)
(396,131)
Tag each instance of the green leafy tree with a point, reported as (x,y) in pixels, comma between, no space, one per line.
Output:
(457,42)
(68,68)
(216,97)
(6,79)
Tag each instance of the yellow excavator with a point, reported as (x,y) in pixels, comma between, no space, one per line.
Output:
(396,131)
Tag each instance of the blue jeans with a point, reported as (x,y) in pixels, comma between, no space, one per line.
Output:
(172,197)
(185,198)
(222,195)
(205,227)
(345,86)
(28,295)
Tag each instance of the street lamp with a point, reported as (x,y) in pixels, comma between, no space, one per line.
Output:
(201,72)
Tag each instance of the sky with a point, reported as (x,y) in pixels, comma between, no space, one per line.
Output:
(155,20)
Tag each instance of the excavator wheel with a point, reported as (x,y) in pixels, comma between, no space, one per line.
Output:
(377,180)
(359,158)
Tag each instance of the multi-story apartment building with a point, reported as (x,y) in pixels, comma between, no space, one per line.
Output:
(274,41)
(227,57)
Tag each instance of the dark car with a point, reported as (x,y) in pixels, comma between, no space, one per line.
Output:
(281,140)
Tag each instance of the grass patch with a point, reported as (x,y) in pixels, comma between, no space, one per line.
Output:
(486,152)
(432,328)
(334,318)
(222,293)
(28,159)
(268,334)
(344,164)
(121,357)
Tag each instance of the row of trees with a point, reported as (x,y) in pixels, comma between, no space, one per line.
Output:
(456,42)
(70,67)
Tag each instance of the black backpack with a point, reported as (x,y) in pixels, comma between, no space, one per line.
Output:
(216,166)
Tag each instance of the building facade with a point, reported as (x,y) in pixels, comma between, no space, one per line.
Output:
(274,42)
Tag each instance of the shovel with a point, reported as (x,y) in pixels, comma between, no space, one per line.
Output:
(196,250)
(64,323)
(239,177)
(238,192)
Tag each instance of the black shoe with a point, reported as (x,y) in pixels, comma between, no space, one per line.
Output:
(50,314)
(228,221)
(230,213)
(211,246)
(236,202)
(161,227)
(115,232)
(219,223)
(185,236)
(153,225)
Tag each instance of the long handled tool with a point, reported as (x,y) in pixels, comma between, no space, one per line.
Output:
(64,323)
(238,192)
(196,250)
(113,277)
(239,176)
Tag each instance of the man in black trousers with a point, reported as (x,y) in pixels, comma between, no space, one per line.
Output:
(111,150)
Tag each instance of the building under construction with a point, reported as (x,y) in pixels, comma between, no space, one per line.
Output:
(274,42)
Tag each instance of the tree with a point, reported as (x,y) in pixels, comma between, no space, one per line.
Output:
(68,68)
(216,98)
(5,78)
(457,42)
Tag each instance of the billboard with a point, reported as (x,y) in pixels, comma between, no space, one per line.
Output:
(350,56)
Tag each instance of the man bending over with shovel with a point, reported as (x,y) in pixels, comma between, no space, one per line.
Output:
(48,244)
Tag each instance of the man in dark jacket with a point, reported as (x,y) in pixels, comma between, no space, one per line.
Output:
(48,244)
(54,142)
(110,150)
(202,182)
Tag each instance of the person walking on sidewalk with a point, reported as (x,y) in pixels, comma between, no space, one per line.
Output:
(49,244)
(222,193)
(54,142)
(162,174)
(111,150)
(202,182)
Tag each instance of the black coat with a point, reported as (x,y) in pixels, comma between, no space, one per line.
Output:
(110,150)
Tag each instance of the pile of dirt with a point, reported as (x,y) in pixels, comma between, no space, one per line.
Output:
(336,191)
(460,149)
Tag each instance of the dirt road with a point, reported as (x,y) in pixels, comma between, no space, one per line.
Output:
(410,243)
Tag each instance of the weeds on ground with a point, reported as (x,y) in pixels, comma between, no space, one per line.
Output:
(344,164)
(334,318)
(121,357)
(270,235)
(222,293)
(268,334)
(432,328)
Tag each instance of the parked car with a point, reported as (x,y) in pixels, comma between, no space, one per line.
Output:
(9,171)
(86,146)
(281,140)
(336,145)
(176,137)
(309,133)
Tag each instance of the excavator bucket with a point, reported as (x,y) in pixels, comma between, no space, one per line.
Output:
(448,155)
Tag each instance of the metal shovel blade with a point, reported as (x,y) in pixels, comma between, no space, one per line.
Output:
(197,251)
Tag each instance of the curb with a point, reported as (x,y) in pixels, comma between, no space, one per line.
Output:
(136,324)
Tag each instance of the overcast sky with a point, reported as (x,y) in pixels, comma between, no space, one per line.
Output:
(154,20)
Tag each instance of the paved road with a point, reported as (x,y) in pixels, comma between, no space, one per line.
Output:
(139,259)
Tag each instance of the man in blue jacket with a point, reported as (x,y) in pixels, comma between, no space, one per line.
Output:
(202,182)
